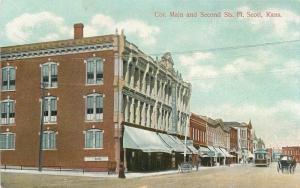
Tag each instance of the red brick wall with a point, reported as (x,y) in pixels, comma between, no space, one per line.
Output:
(198,125)
(294,151)
(233,139)
(71,123)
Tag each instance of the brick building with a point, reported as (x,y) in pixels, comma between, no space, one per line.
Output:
(245,140)
(198,130)
(94,89)
(292,150)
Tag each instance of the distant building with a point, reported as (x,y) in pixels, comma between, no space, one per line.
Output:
(245,143)
(292,150)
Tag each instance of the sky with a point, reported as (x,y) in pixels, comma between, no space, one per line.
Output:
(261,83)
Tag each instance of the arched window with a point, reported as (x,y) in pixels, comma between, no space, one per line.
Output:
(49,140)
(94,107)
(49,75)
(7,141)
(7,111)
(50,109)
(94,139)
(8,78)
(94,70)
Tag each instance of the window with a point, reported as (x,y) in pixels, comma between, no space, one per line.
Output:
(94,71)
(50,109)
(7,140)
(49,140)
(94,107)
(49,75)
(8,78)
(94,139)
(7,112)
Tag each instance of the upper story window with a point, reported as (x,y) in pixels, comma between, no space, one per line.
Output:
(94,139)
(49,75)
(94,107)
(7,141)
(7,112)
(50,109)
(49,140)
(8,79)
(94,71)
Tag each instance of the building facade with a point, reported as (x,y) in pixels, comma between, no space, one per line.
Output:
(198,130)
(292,150)
(85,91)
(245,143)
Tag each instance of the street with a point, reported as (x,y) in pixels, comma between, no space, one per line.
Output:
(239,176)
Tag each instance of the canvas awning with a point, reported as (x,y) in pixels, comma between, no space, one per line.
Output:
(147,141)
(193,149)
(226,153)
(212,152)
(219,152)
(171,142)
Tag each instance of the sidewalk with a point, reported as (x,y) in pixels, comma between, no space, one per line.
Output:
(104,174)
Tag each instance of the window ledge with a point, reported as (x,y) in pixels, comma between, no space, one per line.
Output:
(51,87)
(7,149)
(93,148)
(9,90)
(94,121)
(98,84)
(9,125)
(50,149)
(50,123)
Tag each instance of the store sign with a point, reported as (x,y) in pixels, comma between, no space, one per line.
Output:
(211,153)
(100,158)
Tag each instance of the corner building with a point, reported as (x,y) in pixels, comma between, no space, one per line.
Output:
(95,90)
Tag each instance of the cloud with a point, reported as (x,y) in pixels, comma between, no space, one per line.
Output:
(278,125)
(20,29)
(288,73)
(285,26)
(102,23)
(200,74)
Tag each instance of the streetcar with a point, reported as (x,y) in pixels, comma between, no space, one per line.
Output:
(262,158)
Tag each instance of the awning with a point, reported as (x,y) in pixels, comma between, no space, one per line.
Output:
(250,155)
(193,149)
(147,141)
(219,152)
(212,152)
(171,142)
(226,153)
(203,149)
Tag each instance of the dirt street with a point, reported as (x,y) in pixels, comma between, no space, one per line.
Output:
(226,177)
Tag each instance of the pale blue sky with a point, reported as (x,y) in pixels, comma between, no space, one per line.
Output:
(261,84)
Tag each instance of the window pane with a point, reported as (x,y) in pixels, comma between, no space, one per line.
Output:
(97,139)
(99,70)
(90,72)
(99,104)
(11,141)
(46,107)
(45,140)
(89,139)
(12,78)
(52,140)
(46,74)
(53,75)
(90,105)
(4,79)
(53,107)
(2,141)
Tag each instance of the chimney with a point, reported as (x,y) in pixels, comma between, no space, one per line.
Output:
(78,31)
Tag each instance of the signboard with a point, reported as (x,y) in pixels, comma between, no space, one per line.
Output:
(99,158)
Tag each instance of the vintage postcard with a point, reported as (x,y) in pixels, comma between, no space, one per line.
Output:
(172,93)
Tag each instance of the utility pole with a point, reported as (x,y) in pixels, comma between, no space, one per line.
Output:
(41,127)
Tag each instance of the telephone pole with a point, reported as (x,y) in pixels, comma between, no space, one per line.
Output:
(41,127)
